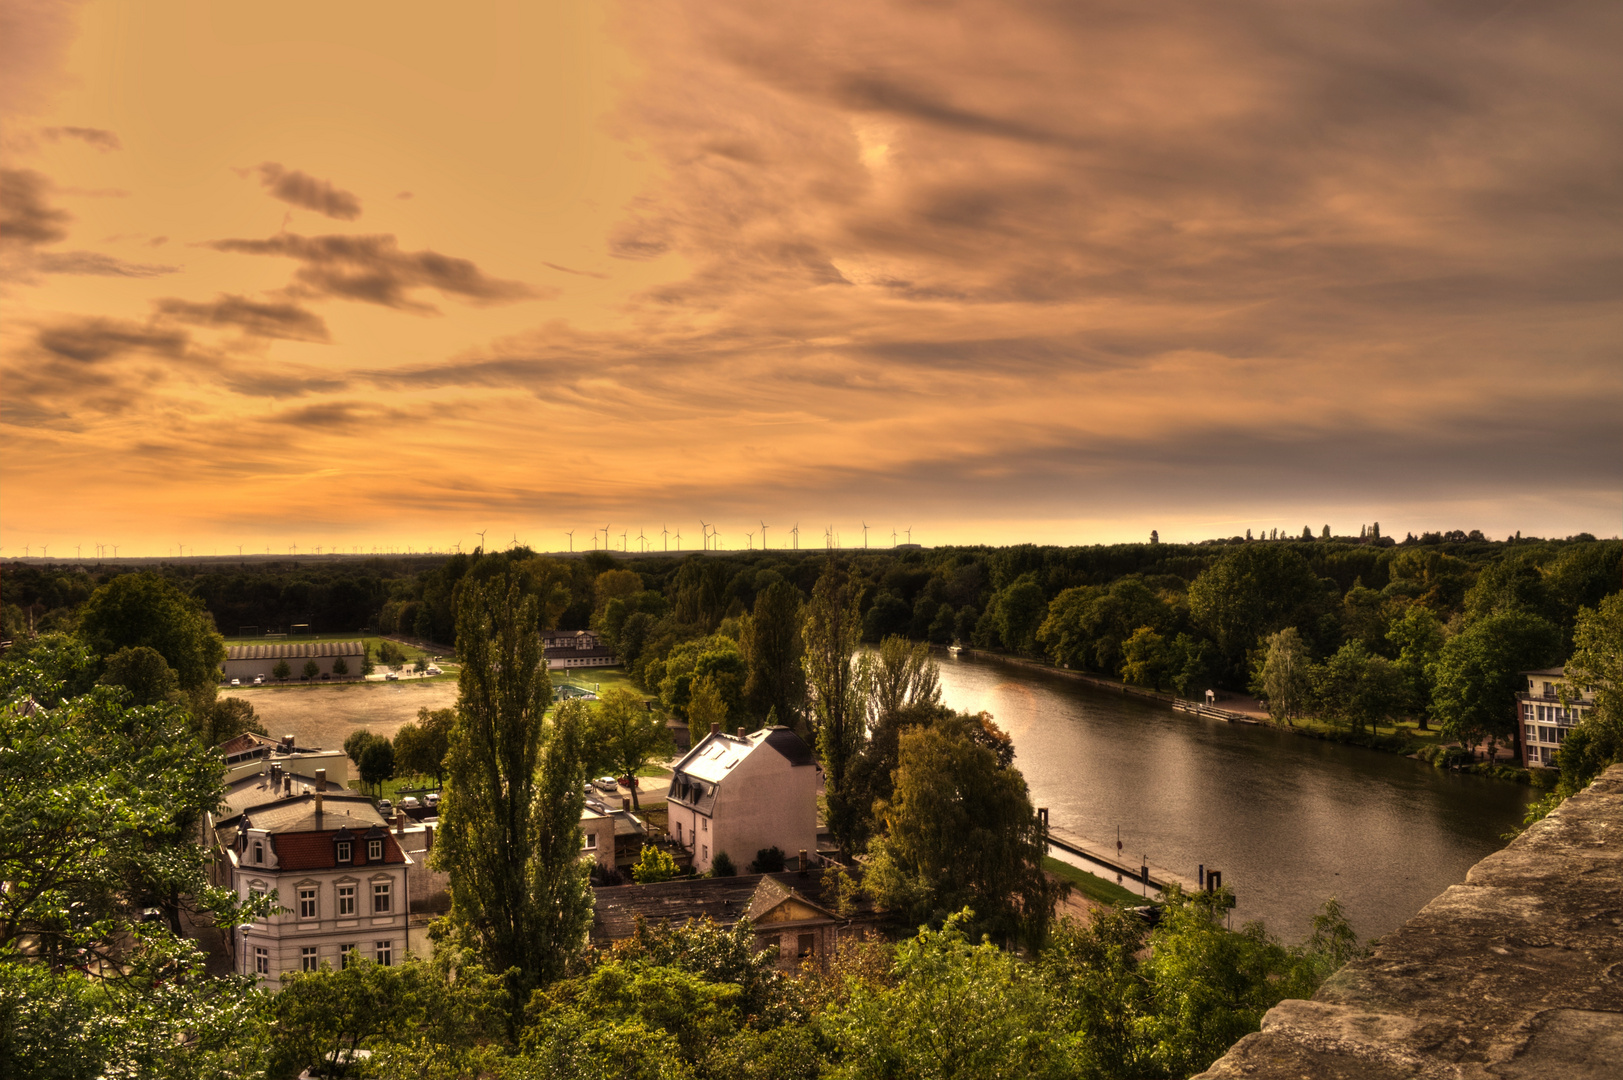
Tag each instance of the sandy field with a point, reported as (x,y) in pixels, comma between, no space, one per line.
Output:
(323,715)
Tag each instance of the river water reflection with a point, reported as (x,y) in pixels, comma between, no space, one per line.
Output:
(1290,821)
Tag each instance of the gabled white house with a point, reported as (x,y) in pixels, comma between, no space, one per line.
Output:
(742,794)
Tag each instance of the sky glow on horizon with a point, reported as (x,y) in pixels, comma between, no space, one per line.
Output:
(372,274)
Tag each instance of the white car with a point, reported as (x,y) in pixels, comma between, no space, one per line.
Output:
(432,670)
(409,803)
(236,682)
(259,680)
(606,783)
(392,677)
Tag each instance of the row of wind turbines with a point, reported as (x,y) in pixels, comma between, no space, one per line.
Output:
(710,538)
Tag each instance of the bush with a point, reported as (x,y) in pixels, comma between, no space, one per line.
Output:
(768,861)
(654,865)
(722,865)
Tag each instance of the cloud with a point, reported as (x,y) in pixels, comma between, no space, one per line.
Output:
(374,270)
(254,318)
(92,340)
(26,219)
(97,137)
(96,264)
(301,189)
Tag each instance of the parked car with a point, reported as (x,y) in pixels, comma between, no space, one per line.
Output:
(409,803)
(385,807)
(432,800)
(393,676)
(259,680)
(432,670)
(606,783)
(236,682)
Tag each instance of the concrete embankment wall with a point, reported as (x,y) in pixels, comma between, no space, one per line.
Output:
(1516,973)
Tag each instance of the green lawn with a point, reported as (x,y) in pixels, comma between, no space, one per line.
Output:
(1408,728)
(391,788)
(1091,885)
(597,680)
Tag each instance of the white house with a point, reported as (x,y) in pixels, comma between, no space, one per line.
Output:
(742,794)
(575,649)
(338,873)
(1545,719)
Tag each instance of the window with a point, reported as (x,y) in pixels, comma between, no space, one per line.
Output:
(384,952)
(345,954)
(808,945)
(678,832)
(346,900)
(261,960)
(374,851)
(259,852)
(1546,734)
(344,851)
(1532,732)
(705,857)
(380,898)
(308,960)
(706,824)
(588,841)
(307,903)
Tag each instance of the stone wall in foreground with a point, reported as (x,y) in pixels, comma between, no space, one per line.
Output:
(1516,973)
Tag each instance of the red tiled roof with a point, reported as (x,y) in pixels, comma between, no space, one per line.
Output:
(314,850)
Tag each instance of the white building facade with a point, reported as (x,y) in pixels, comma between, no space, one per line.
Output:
(1548,709)
(742,794)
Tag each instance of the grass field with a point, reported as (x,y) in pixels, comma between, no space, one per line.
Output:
(598,680)
(1091,885)
(411,652)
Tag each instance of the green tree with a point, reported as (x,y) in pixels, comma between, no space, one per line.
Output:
(510,822)
(654,864)
(1596,666)
(48,668)
(144,609)
(1146,660)
(356,742)
(776,679)
(1021,609)
(707,709)
(377,763)
(1284,675)
(312,670)
(282,671)
(1251,592)
(625,735)
(420,748)
(831,630)
(340,667)
(952,1009)
(225,718)
(961,833)
(1478,674)
(144,673)
(320,1018)
(1358,687)
(1418,636)
(902,675)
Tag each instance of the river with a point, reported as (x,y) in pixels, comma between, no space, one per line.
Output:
(1289,820)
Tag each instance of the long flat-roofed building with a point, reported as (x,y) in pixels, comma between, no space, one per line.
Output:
(247,662)
(1548,709)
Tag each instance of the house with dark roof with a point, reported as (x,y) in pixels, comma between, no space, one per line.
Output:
(576,648)
(742,794)
(791,916)
(336,869)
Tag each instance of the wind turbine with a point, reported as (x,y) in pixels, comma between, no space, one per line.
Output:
(642,542)
(571,535)
(795,532)
(893,538)
(706,528)
(78,551)
(763,536)
(864,536)
(909,532)
(750,539)
(678,539)
(605,538)
(481,540)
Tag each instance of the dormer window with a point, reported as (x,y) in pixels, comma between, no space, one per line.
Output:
(259,852)
(374,851)
(345,851)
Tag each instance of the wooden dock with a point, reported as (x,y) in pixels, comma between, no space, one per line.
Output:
(1104,856)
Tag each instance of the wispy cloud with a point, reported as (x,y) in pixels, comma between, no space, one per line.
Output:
(97,137)
(303,190)
(374,270)
(253,317)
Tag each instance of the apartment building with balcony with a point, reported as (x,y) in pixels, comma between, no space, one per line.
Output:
(1548,708)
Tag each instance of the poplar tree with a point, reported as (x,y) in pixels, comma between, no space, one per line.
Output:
(836,684)
(510,820)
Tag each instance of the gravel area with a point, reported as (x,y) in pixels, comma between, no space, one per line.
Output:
(324,715)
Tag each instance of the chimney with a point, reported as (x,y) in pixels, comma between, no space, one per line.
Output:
(321,787)
(804,865)
(740,733)
(715,728)
(625,804)
(428,838)
(287,742)
(399,822)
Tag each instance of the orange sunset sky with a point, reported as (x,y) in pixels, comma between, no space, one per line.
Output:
(359,274)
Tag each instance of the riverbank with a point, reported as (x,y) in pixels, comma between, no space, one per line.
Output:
(1405,740)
